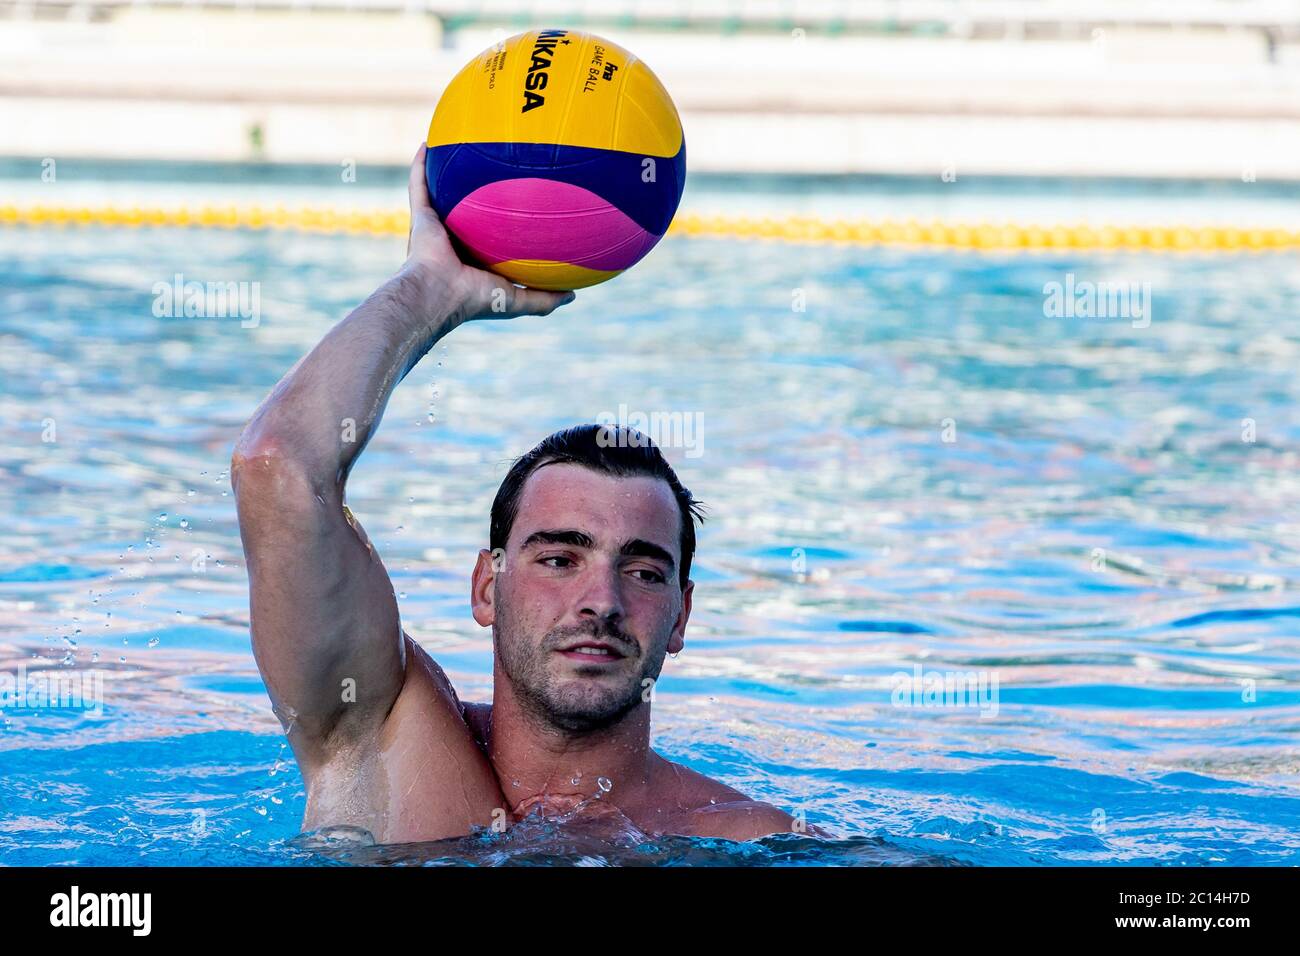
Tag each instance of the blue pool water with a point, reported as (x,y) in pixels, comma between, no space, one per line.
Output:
(1099,536)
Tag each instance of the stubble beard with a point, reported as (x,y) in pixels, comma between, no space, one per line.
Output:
(572,704)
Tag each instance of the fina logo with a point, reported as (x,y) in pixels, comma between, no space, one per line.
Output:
(543,52)
(103,909)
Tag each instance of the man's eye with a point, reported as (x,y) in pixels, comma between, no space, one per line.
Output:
(650,575)
(565,561)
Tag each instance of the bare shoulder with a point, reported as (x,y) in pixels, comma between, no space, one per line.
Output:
(713,809)
(740,820)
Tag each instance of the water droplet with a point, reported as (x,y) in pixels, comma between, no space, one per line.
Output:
(153,641)
(185,523)
(162,517)
(605,784)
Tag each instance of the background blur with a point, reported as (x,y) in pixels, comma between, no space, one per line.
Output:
(1205,88)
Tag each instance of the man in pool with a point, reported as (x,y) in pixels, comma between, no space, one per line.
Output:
(586,588)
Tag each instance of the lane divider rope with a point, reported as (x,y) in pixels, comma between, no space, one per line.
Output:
(803,229)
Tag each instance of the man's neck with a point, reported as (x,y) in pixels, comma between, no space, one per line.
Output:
(538,764)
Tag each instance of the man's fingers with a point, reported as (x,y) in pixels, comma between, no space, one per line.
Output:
(417,186)
(535,301)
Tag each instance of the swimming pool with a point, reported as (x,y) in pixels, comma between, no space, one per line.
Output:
(910,467)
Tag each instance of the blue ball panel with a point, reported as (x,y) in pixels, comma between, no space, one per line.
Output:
(454,171)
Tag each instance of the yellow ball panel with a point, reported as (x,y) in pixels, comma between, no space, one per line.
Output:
(553,276)
(558,86)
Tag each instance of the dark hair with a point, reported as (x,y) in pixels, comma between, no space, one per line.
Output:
(609,449)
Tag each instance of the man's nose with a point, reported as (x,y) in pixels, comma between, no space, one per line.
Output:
(602,597)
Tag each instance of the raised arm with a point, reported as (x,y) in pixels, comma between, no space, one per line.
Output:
(326,630)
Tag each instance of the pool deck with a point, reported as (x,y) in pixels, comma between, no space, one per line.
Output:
(337,87)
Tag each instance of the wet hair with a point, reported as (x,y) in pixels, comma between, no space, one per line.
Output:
(611,450)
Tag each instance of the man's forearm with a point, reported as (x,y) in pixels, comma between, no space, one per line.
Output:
(324,411)
(320,416)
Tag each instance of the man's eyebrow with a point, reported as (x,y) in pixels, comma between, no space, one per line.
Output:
(636,547)
(640,548)
(579,539)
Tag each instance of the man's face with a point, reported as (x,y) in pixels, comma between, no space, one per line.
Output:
(586,602)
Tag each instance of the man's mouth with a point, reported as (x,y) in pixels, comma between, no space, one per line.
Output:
(591,652)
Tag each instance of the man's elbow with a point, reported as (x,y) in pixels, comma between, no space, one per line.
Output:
(270,479)
(258,460)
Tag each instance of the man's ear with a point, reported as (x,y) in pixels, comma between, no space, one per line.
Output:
(482,587)
(677,640)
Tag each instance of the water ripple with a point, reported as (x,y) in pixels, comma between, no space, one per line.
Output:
(920,470)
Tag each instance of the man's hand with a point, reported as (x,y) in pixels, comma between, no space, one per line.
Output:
(471,293)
